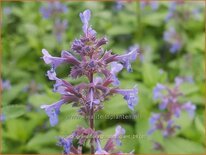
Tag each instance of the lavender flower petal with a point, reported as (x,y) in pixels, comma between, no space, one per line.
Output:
(130,96)
(99,150)
(54,61)
(115,68)
(52,111)
(126,59)
(66,144)
(118,132)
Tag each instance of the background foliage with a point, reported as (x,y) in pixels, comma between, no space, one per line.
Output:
(26,128)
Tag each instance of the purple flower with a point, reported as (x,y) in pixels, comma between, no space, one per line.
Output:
(190,108)
(59,86)
(53,111)
(54,61)
(51,75)
(66,144)
(118,132)
(99,149)
(130,96)
(115,68)
(126,59)
(157,91)
(85,18)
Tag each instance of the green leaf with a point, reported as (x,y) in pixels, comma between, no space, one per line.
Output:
(10,95)
(184,121)
(13,111)
(116,102)
(119,30)
(18,129)
(200,125)
(150,74)
(188,88)
(182,146)
(41,139)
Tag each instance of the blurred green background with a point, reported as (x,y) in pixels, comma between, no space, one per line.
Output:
(26,128)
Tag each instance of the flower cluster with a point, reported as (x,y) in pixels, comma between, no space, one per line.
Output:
(164,121)
(174,39)
(53,11)
(101,67)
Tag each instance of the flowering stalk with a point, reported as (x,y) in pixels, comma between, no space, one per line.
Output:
(101,68)
(164,121)
(53,11)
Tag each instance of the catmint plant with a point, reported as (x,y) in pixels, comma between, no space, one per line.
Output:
(53,12)
(170,108)
(100,67)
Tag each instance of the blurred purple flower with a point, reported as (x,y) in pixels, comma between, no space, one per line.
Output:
(5,84)
(66,144)
(59,28)
(173,39)
(2,117)
(153,4)
(157,91)
(190,108)
(53,9)
(7,10)
(173,108)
